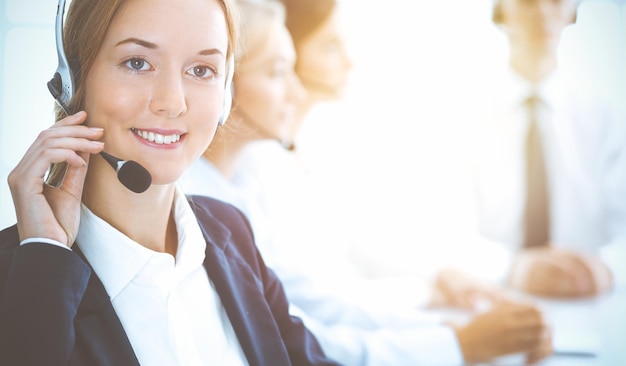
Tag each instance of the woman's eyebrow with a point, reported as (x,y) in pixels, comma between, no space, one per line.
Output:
(138,41)
(150,45)
(211,51)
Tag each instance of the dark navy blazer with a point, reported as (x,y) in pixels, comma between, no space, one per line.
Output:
(55,311)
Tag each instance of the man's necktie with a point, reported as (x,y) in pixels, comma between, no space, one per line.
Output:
(537,213)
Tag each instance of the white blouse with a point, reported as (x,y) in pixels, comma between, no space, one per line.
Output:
(167,306)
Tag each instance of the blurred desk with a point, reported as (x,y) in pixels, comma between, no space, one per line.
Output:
(588,332)
(585,332)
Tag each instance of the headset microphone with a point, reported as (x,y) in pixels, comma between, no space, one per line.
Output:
(288,145)
(130,173)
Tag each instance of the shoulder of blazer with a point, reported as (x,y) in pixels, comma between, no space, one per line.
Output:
(9,241)
(217,209)
(223,225)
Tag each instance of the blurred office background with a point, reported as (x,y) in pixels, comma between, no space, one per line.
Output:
(392,147)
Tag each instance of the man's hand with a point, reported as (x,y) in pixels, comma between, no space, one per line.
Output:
(555,272)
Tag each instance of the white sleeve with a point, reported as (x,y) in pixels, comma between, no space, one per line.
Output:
(44,240)
(613,253)
(425,344)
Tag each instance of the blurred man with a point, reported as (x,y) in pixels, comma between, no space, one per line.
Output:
(551,170)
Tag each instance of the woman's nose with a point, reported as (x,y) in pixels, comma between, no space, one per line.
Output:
(168,96)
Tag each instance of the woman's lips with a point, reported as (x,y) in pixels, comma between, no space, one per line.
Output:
(157,138)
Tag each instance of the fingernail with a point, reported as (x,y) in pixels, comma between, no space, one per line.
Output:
(96,129)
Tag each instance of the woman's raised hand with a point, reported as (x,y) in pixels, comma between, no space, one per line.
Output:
(47,212)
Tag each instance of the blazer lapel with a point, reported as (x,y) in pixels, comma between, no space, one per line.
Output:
(240,291)
(100,337)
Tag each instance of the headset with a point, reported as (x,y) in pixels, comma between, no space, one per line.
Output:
(61,86)
(227,104)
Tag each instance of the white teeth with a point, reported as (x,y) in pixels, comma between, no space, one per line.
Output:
(157,138)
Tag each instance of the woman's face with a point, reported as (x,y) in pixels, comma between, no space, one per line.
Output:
(157,83)
(267,90)
(323,62)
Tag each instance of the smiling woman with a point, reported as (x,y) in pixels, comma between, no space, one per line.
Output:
(135,64)
(96,274)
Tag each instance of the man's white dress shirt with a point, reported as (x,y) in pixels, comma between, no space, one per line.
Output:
(584,143)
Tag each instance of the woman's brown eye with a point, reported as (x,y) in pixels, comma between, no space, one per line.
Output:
(200,71)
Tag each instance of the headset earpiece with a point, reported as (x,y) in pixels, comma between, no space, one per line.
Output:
(228,92)
(61,86)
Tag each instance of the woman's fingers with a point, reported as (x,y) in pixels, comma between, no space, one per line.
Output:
(505,329)
(28,174)
(524,327)
(73,119)
(66,134)
(75,177)
(543,350)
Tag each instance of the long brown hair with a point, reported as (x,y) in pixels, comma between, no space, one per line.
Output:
(306,16)
(85,27)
